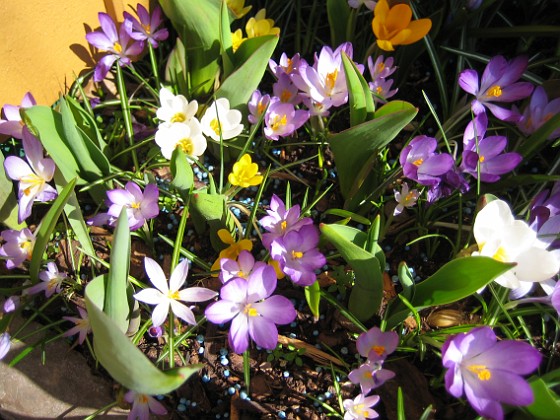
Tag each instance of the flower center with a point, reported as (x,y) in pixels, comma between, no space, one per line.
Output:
(52,283)
(117,47)
(481,158)
(481,371)
(178,117)
(250,311)
(380,67)
(278,121)
(142,399)
(297,255)
(261,107)
(135,205)
(378,349)
(379,90)
(27,246)
(500,255)
(35,183)
(173,295)
(186,146)
(331,79)
(215,126)
(290,66)
(418,162)
(283,225)
(147,29)
(495,91)
(285,96)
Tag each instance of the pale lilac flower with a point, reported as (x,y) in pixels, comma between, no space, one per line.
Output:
(505,239)
(5,344)
(376,345)
(242,267)
(498,84)
(544,217)
(51,281)
(360,407)
(285,90)
(148,26)
(175,108)
(82,327)
(186,136)
(484,154)
(281,220)
(316,108)
(370,375)
(298,255)
(382,68)
(252,310)
(11,304)
(420,162)
(32,175)
(382,90)
(143,405)
(555,298)
(449,182)
(286,65)
(139,206)
(539,111)
(282,119)
(17,247)
(168,295)
(221,121)
(489,371)
(405,198)
(257,106)
(115,43)
(355,4)
(13,125)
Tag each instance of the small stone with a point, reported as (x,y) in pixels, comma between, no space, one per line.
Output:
(286,374)
(181,407)
(281,415)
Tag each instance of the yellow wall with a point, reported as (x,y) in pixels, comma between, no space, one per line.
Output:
(43,45)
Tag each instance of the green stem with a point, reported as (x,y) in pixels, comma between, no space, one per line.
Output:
(125,106)
(247,369)
(154,64)
(180,236)
(171,341)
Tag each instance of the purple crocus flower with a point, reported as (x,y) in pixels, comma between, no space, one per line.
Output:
(484,154)
(51,281)
(545,214)
(32,175)
(539,111)
(285,90)
(376,345)
(379,71)
(139,206)
(242,267)
(420,162)
(450,182)
(252,310)
(5,344)
(360,407)
(11,304)
(282,119)
(148,26)
(286,65)
(117,44)
(281,220)
(257,106)
(13,125)
(143,405)
(498,84)
(82,325)
(17,247)
(370,375)
(298,255)
(489,371)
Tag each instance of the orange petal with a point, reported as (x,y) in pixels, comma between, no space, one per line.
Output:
(418,30)
(401,37)
(398,18)
(385,45)
(381,9)
(378,28)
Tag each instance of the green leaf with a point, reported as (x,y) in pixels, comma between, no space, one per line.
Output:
(9,206)
(120,357)
(360,97)
(313,298)
(454,281)
(183,177)
(46,228)
(546,404)
(116,302)
(176,67)
(338,13)
(406,281)
(539,138)
(365,297)
(401,415)
(209,210)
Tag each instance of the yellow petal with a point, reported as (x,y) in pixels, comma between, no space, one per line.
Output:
(225,236)
(385,45)
(381,9)
(378,28)
(418,30)
(400,37)
(398,18)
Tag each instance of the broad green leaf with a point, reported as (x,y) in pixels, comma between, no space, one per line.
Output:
(183,177)
(209,211)
(360,97)
(313,298)
(9,203)
(338,13)
(198,25)
(176,67)
(116,302)
(546,404)
(352,148)
(120,357)
(86,123)
(365,297)
(225,40)
(46,228)
(348,215)
(406,281)
(456,280)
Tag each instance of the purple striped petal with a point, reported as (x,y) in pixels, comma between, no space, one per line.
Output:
(239,334)
(263,332)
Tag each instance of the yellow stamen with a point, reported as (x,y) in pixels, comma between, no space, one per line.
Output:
(249,310)
(290,67)
(501,255)
(178,117)
(142,399)
(379,350)
(495,91)
(283,225)
(147,28)
(380,67)
(481,158)
(261,108)
(52,283)
(481,371)
(173,295)
(215,126)
(285,96)
(331,79)
(135,205)
(117,47)
(297,254)
(186,146)
(418,162)
(379,90)
(278,121)
(35,183)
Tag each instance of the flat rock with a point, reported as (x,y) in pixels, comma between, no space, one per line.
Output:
(63,387)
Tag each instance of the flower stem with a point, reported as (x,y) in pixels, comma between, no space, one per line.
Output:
(154,64)
(247,369)
(125,106)
(171,341)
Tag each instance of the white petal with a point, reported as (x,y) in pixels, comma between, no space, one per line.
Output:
(179,275)
(156,275)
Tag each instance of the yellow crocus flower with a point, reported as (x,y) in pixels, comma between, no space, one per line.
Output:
(394,25)
(260,26)
(238,8)
(245,173)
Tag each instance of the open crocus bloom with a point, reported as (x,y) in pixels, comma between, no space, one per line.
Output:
(503,238)
(221,121)
(13,125)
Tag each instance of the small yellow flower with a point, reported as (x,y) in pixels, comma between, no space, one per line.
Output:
(237,39)
(234,248)
(238,8)
(394,26)
(245,173)
(260,26)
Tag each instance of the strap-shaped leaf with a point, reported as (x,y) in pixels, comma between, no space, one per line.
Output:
(122,359)
(183,177)
(360,97)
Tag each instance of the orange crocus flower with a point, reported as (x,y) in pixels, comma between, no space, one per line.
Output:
(394,26)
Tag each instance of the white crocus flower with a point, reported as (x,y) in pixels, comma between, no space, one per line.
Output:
(220,120)
(188,136)
(175,108)
(503,238)
(167,295)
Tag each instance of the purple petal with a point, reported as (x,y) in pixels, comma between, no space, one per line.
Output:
(25,204)
(108,26)
(234,291)
(521,357)
(16,168)
(103,67)
(197,294)
(121,198)
(221,312)
(278,309)
(28,100)
(483,406)
(5,344)
(150,296)
(264,332)
(493,72)
(515,69)
(261,283)
(239,334)
(100,41)
(182,311)
(514,92)
(468,80)
(503,114)
(11,128)
(502,386)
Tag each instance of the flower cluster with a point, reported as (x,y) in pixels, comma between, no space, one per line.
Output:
(379,72)
(292,242)
(13,125)
(375,345)
(17,246)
